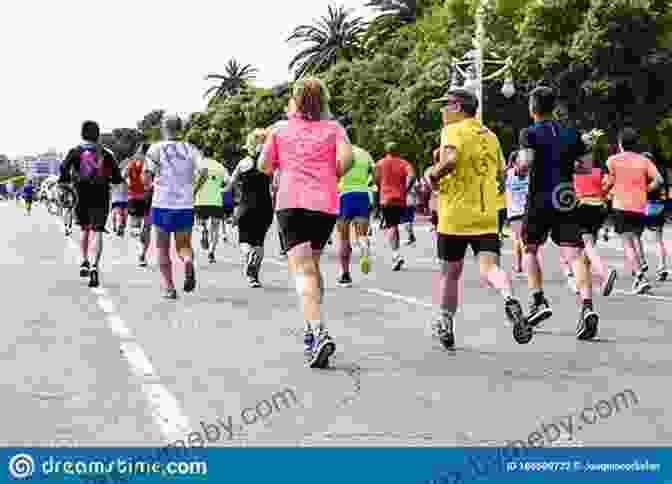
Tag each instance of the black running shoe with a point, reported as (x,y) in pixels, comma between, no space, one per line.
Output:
(211,258)
(522,331)
(93,278)
(253,282)
(252,263)
(588,322)
(539,311)
(84,269)
(189,278)
(662,275)
(398,264)
(442,330)
(345,280)
(205,243)
(641,286)
(323,348)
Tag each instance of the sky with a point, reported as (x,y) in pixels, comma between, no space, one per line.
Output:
(113,62)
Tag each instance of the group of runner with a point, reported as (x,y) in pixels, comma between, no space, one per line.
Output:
(305,171)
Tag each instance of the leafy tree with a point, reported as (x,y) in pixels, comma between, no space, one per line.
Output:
(150,124)
(235,78)
(335,36)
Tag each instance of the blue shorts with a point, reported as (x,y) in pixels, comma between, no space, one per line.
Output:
(408,215)
(173,220)
(119,204)
(354,205)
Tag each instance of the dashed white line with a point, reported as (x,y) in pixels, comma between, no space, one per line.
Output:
(165,408)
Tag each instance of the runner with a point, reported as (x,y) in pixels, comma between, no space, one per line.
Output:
(466,178)
(591,209)
(409,211)
(394,176)
(228,208)
(120,205)
(353,215)
(517,188)
(255,210)
(275,184)
(66,199)
(28,195)
(632,176)
(312,151)
(433,194)
(655,220)
(548,152)
(174,165)
(209,205)
(140,193)
(93,169)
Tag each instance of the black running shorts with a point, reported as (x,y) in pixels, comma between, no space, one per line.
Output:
(628,222)
(392,215)
(208,211)
(562,226)
(453,248)
(253,225)
(299,225)
(590,218)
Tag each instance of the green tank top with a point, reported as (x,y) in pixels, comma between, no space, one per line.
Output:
(210,194)
(357,179)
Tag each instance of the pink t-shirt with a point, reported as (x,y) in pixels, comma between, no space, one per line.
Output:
(630,173)
(305,153)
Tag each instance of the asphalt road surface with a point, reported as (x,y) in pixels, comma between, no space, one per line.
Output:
(120,366)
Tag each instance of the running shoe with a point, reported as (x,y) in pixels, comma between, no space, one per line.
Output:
(411,240)
(211,257)
(539,311)
(84,269)
(398,264)
(323,348)
(142,261)
(442,330)
(608,285)
(93,278)
(662,274)
(205,243)
(645,267)
(189,277)
(135,232)
(364,264)
(522,331)
(253,282)
(308,344)
(121,230)
(588,321)
(170,293)
(345,280)
(68,231)
(641,286)
(252,262)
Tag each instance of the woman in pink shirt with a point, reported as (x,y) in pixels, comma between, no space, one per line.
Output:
(312,151)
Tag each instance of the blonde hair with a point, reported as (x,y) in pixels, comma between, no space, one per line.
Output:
(255,138)
(311,97)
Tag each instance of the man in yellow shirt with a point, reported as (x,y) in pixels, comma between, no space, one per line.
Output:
(466,178)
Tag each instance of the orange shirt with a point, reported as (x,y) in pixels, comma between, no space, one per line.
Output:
(392,173)
(136,179)
(630,174)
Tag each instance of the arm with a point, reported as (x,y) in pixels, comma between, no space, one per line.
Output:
(525,157)
(66,168)
(244,165)
(116,178)
(200,170)
(655,178)
(343,158)
(608,179)
(411,179)
(445,166)
(269,155)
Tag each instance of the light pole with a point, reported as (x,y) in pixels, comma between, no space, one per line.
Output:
(471,66)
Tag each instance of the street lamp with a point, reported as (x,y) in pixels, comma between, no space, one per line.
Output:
(470,67)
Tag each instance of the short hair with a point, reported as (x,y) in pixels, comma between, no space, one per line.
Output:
(311,97)
(628,138)
(542,100)
(90,131)
(649,155)
(392,148)
(467,99)
(172,123)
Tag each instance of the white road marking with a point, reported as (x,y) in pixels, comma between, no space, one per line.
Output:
(165,408)
(399,297)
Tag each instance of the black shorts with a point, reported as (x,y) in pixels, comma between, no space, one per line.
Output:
(228,212)
(453,248)
(392,215)
(563,227)
(253,225)
(92,216)
(590,218)
(139,208)
(628,222)
(435,218)
(299,225)
(204,212)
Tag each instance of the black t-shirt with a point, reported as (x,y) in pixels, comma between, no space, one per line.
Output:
(253,187)
(92,169)
(556,149)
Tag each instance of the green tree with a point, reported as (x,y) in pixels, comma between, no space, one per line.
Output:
(334,37)
(235,78)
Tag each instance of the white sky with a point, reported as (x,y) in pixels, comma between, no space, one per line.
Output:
(70,60)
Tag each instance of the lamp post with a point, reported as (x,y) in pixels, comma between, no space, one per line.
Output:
(471,66)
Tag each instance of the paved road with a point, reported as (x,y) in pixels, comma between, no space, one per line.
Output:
(121,366)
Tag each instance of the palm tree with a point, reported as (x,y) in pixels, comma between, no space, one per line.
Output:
(235,78)
(334,37)
(403,11)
